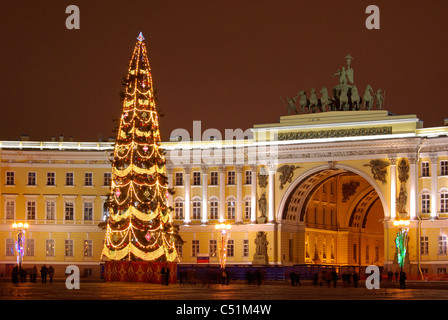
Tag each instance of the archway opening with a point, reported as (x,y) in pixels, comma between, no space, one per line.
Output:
(339,214)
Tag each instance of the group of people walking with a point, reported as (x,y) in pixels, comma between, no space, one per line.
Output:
(19,273)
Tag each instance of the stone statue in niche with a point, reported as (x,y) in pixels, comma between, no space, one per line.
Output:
(261,249)
(262,179)
(403,171)
(402,199)
(262,206)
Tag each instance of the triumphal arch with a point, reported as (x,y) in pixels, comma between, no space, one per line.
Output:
(331,183)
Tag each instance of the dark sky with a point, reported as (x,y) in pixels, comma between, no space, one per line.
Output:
(226,63)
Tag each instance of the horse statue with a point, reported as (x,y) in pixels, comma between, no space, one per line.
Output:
(314,102)
(343,99)
(324,99)
(292,105)
(356,99)
(303,102)
(368,99)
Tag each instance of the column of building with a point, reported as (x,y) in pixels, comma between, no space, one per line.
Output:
(239,194)
(253,194)
(271,201)
(222,193)
(187,190)
(433,159)
(413,186)
(204,218)
(170,171)
(393,186)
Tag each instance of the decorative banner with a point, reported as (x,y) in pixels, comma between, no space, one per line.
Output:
(138,271)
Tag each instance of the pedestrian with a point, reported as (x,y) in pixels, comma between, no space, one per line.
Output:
(403,280)
(34,274)
(292,277)
(297,278)
(51,273)
(335,278)
(355,279)
(15,274)
(43,273)
(167,276)
(329,277)
(396,276)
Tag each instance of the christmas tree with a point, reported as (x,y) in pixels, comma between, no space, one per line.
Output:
(138,226)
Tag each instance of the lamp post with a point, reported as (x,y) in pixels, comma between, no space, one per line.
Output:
(20,229)
(401,240)
(224,232)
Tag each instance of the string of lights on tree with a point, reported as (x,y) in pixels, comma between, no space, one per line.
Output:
(138,225)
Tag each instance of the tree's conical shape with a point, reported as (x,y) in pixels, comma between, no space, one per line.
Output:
(138,225)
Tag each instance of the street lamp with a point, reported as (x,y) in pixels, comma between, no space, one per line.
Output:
(401,240)
(20,229)
(224,232)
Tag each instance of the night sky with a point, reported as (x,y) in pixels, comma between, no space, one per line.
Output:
(230,64)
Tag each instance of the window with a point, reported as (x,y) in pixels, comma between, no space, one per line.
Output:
(247,209)
(179,179)
(69,179)
(426,202)
(442,244)
(10,209)
(444,201)
(196,209)
(50,210)
(10,244)
(88,179)
(107,176)
(444,168)
(424,245)
(29,247)
(230,248)
(51,178)
(247,177)
(425,169)
(69,211)
(31,178)
(214,209)
(31,210)
(69,248)
(231,209)
(213,248)
(231,177)
(441,270)
(355,252)
(196,178)
(367,253)
(194,248)
(10,178)
(49,248)
(88,248)
(214,178)
(88,211)
(245,248)
(179,248)
(178,209)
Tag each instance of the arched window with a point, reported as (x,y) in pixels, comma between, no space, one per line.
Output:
(444,200)
(247,208)
(214,212)
(196,204)
(179,208)
(231,208)
(425,201)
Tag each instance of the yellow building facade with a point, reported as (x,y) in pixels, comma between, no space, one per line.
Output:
(318,189)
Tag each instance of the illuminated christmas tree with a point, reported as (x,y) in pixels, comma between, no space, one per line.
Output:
(138,226)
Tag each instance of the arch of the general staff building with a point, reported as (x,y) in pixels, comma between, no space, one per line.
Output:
(332,192)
